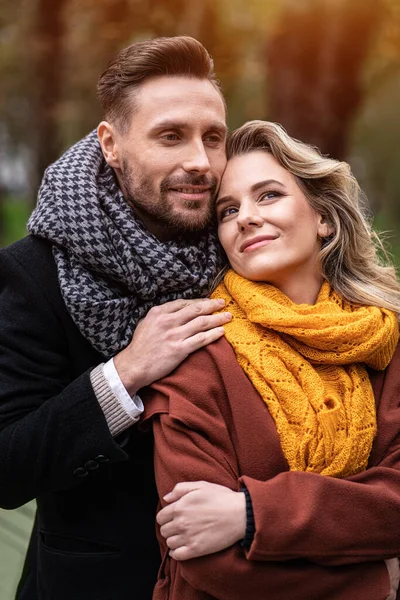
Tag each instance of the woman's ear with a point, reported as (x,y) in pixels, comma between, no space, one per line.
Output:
(324,229)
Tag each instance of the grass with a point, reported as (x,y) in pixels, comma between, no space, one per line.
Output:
(14,215)
(15,528)
(388,231)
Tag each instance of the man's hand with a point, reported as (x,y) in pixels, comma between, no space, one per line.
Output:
(202,518)
(165,337)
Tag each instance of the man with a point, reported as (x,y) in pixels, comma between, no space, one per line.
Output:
(122,225)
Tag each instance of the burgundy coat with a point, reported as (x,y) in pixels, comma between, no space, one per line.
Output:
(317,537)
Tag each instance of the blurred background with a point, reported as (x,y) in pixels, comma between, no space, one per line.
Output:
(328,70)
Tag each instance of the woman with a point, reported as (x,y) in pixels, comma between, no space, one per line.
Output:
(298,408)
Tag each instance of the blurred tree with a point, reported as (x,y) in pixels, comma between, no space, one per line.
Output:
(13,71)
(315,61)
(98,30)
(47,42)
(308,57)
(10,127)
(375,137)
(95,32)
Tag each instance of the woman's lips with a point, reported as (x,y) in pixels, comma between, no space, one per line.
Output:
(257,242)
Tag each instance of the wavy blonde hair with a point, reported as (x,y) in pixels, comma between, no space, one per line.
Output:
(353,258)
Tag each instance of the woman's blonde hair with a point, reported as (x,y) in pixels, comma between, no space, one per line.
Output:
(353,258)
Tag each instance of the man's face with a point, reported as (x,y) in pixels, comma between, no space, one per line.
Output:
(171,159)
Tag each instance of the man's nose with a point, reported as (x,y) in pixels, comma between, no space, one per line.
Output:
(196,158)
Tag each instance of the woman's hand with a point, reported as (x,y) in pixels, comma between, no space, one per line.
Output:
(202,518)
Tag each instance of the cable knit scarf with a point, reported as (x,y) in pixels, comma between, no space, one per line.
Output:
(307,363)
(110,268)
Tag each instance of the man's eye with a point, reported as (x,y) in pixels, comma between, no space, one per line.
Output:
(213,139)
(170,137)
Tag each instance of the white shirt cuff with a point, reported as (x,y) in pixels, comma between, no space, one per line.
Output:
(133,406)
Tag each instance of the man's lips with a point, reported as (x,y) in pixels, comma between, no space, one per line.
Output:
(191,192)
(256,242)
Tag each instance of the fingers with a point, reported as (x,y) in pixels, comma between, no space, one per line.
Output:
(178,305)
(169,518)
(190,310)
(202,339)
(181,489)
(165,515)
(170,529)
(182,553)
(174,542)
(206,519)
(203,324)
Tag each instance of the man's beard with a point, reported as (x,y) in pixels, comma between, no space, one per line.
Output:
(142,196)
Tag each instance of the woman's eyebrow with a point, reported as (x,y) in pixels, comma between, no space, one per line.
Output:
(223,199)
(261,184)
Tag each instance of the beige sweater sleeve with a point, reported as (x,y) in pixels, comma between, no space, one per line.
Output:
(118,419)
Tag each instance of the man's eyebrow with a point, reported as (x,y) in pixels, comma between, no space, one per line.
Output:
(215,126)
(174,124)
(169,124)
(254,188)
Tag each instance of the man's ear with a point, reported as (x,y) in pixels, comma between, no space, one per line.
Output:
(108,142)
(324,229)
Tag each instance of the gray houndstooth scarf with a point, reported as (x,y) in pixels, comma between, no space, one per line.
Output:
(110,268)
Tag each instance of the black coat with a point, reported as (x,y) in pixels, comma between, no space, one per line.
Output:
(94,535)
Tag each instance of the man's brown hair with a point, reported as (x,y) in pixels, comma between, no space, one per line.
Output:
(181,55)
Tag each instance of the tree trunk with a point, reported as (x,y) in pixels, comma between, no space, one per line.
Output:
(315,59)
(47,59)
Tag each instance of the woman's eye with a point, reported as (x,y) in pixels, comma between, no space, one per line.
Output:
(230,210)
(270,195)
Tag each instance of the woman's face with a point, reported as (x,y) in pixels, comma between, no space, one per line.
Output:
(267,227)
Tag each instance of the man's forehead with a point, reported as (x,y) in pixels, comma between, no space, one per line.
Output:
(172,94)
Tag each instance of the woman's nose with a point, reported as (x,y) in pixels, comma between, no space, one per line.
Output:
(248,220)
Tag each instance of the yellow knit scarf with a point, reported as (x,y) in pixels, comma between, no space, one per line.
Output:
(307,363)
